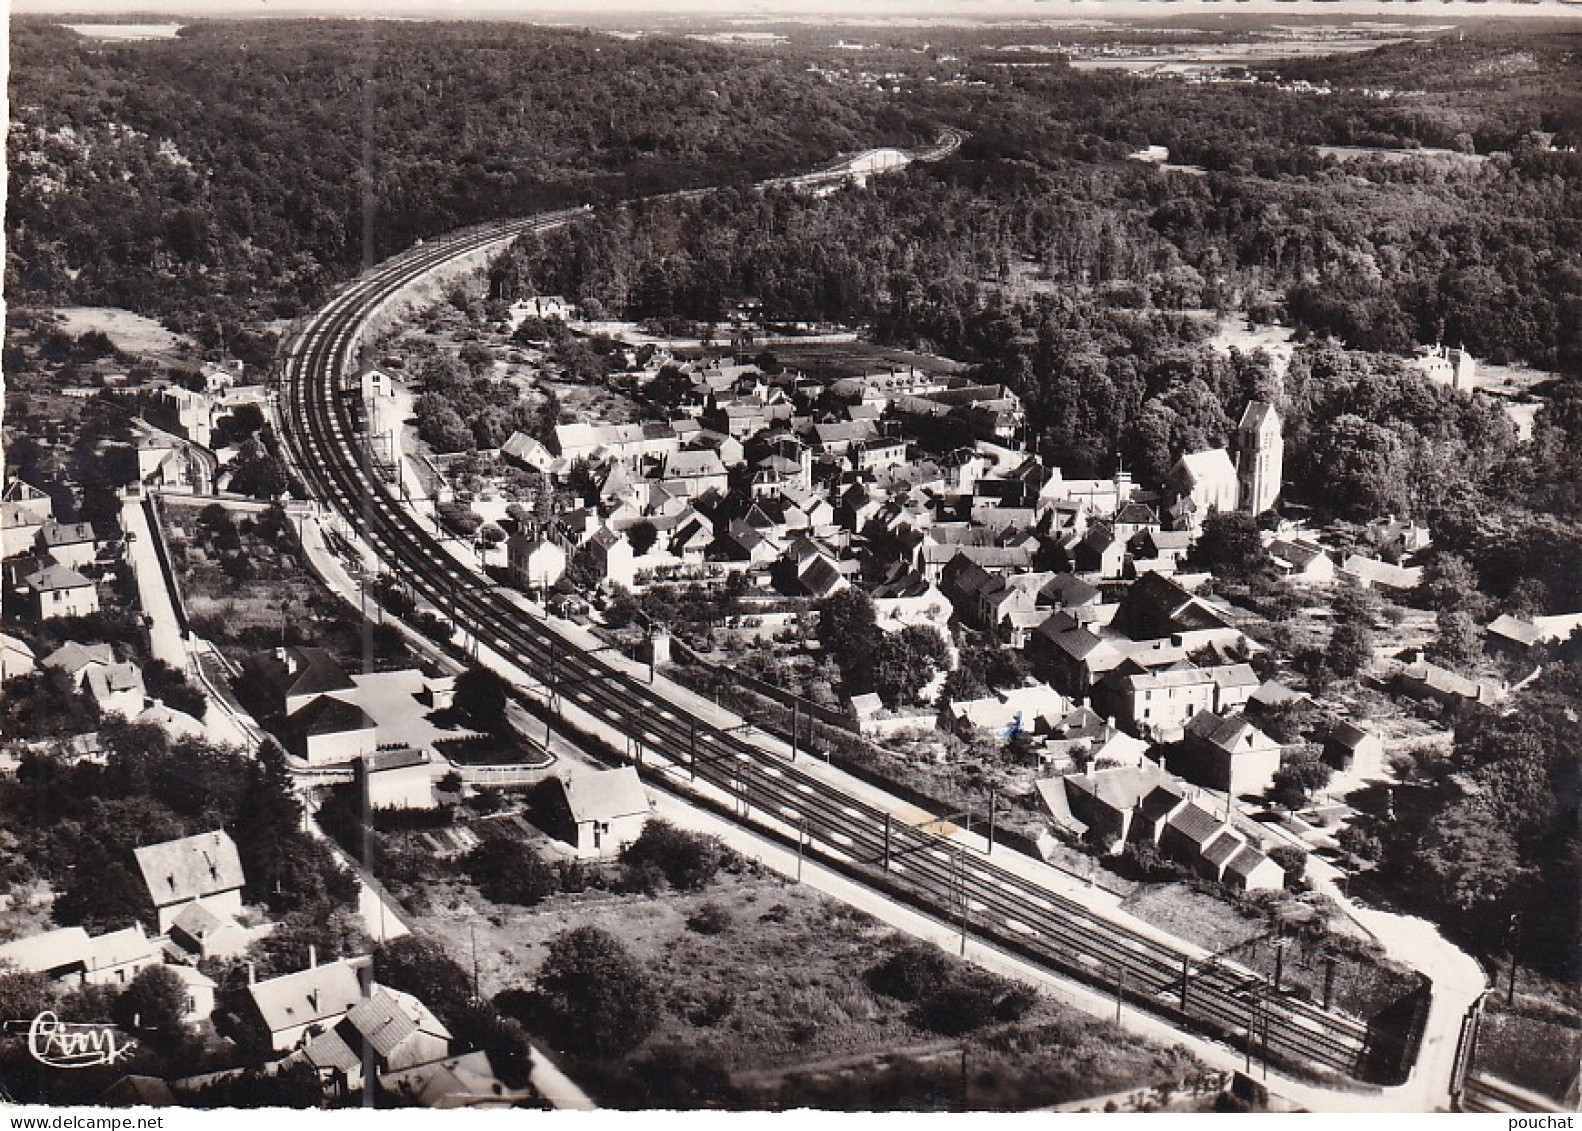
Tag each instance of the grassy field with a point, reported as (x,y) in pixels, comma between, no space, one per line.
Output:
(131,333)
(774,1012)
(1364,983)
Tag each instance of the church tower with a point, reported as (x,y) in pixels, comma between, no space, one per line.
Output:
(1260,457)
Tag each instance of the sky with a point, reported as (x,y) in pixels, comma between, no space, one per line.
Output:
(843,10)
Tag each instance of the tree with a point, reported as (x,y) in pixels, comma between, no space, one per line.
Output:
(904,662)
(642,535)
(421,967)
(685,860)
(153,1006)
(1450,583)
(848,629)
(1350,647)
(1292,861)
(508,871)
(1229,546)
(1459,643)
(600,1002)
(1301,773)
(481,697)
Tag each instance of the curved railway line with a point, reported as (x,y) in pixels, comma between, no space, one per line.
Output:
(991,903)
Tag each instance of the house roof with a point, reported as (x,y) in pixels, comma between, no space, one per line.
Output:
(1121,788)
(190,868)
(48,951)
(1348,734)
(693,464)
(329,1051)
(117,948)
(329,715)
(453,1082)
(1436,678)
(1219,850)
(1271,692)
(307,996)
(1159,802)
(300,670)
(381,1022)
(104,680)
(196,920)
(67,533)
(387,760)
(1196,824)
(72,657)
(1226,733)
(604,794)
(1247,861)
(56,577)
(1382,573)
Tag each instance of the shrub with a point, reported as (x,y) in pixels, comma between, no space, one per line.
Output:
(710,919)
(508,871)
(910,972)
(685,860)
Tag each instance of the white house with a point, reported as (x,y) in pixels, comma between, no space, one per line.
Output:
(56,591)
(534,562)
(203,868)
(597,813)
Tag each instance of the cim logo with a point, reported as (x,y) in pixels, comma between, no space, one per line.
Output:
(71,1044)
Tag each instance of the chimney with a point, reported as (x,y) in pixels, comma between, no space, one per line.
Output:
(313,957)
(252,973)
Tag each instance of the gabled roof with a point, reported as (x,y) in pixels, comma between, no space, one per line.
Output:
(1348,734)
(307,997)
(381,1022)
(604,795)
(1245,862)
(329,715)
(67,534)
(1205,467)
(56,577)
(1196,824)
(300,670)
(1219,851)
(104,680)
(1227,733)
(1070,590)
(72,657)
(48,951)
(190,868)
(1159,802)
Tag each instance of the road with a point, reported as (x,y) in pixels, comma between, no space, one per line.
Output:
(1003,905)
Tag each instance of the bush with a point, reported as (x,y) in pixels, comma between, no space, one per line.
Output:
(508,871)
(594,996)
(685,860)
(910,972)
(710,919)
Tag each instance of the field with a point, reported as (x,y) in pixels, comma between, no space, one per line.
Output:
(774,1012)
(1363,985)
(131,333)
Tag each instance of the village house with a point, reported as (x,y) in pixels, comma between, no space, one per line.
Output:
(16,658)
(74,545)
(1228,753)
(330,731)
(115,688)
(204,932)
(534,562)
(395,1029)
(292,1008)
(610,556)
(1371,572)
(1351,749)
(1033,709)
(1428,681)
(56,591)
(597,813)
(76,659)
(196,869)
(397,778)
(19,529)
(1302,560)
(72,957)
(291,677)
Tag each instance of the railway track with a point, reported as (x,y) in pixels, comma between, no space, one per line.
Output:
(990,902)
